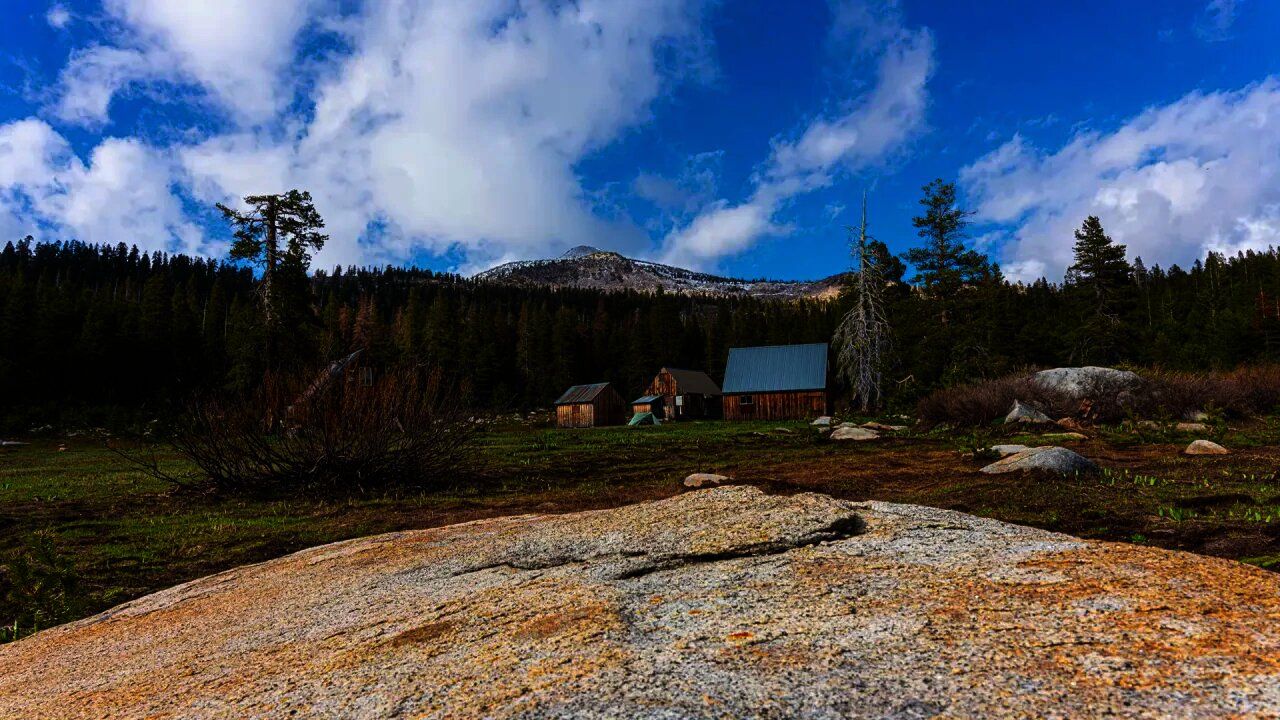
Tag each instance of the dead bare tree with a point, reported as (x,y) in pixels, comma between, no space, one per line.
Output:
(862,339)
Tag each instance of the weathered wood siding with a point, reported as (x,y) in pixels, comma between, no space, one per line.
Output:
(577,415)
(693,406)
(797,405)
(608,408)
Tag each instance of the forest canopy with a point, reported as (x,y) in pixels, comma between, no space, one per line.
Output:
(103,335)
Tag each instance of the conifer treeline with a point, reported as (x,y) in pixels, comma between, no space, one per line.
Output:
(101,334)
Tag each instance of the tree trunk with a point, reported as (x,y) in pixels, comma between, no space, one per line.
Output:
(268,279)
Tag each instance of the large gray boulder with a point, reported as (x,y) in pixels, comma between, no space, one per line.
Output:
(722,603)
(1079,383)
(1057,460)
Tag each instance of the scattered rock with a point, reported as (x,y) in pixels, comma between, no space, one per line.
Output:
(881,427)
(1069,424)
(1007,450)
(1191,427)
(824,421)
(1079,383)
(854,433)
(12,443)
(698,480)
(1023,413)
(1197,416)
(717,603)
(1046,459)
(1206,447)
(784,431)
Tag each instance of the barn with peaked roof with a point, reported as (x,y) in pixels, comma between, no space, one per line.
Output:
(591,405)
(776,382)
(685,394)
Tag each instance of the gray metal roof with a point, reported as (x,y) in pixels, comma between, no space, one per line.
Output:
(645,399)
(776,368)
(694,382)
(581,393)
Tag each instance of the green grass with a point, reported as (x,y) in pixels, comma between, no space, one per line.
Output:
(124,534)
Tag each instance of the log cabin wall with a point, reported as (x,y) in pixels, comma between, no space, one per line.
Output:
(791,405)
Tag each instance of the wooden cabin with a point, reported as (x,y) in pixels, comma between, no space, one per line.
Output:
(686,394)
(779,382)
(592,405)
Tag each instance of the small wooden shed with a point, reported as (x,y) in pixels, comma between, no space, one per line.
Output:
(779,382)
(686,394)
(592,405)
(648,404)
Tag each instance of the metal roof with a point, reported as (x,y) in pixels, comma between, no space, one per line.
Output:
(646,399)
(776,368)
(694,381)
(581,393)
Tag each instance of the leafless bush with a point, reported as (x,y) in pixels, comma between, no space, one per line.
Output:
(983,402)
(344,434)
(1240,393)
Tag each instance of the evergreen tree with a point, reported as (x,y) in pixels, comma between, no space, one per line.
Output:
(943,264)
(290,218)
(1099,262)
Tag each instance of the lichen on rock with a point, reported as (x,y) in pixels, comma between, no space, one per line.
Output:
(717,603)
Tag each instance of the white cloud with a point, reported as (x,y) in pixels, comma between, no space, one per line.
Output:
(458,124)
(875,125)
(94,76)
(235,50)
(1176,181)
(58,16)
(122,194)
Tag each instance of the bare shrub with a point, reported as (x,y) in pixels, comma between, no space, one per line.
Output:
(346,434)
(1242,392)
(1239,393)
(984,402)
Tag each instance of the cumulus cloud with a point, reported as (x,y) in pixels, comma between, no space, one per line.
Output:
(1176,181)
(873,127)
(122,194)
(456,125)
(234,50)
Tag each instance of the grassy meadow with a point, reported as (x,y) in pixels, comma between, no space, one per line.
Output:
(82,529)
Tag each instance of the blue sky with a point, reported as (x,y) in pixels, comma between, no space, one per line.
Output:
(732,136)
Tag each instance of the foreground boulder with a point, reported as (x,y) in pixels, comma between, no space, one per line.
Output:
(1051,459)
(1080,383)
(718,603)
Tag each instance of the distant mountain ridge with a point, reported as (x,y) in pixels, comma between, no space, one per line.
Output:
(586,267)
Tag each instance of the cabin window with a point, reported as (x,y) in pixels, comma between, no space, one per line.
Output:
(746,400)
